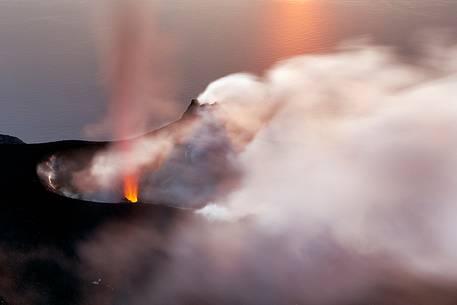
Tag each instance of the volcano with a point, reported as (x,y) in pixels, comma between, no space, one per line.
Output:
(40,232)
(44,222)
(185,164)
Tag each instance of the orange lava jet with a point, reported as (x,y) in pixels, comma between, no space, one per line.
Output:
(131,187)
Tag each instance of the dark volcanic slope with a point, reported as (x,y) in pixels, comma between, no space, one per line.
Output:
(41,234)
(40,231)
(5,139)
(27,204)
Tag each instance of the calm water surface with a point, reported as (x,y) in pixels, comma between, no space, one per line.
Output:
(49,84)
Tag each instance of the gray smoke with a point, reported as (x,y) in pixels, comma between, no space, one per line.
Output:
(347,190)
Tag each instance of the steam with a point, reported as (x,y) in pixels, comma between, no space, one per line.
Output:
(348,186)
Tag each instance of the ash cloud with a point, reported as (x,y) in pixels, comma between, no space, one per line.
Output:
(347,194)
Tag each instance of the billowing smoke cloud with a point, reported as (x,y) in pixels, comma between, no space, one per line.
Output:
(347,194)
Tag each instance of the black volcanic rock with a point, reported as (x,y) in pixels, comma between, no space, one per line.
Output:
(40,231)
(5,139)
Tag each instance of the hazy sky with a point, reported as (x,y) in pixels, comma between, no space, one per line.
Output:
(49,82)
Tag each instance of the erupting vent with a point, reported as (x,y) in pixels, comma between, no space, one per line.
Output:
(131,187)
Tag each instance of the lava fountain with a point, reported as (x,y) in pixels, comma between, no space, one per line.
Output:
(129,173)
(131,187)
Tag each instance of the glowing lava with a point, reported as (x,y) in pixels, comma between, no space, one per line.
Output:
(131,187)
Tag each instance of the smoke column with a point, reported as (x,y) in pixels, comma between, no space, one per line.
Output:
(132,53)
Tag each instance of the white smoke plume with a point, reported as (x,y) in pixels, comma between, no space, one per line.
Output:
(349,188)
